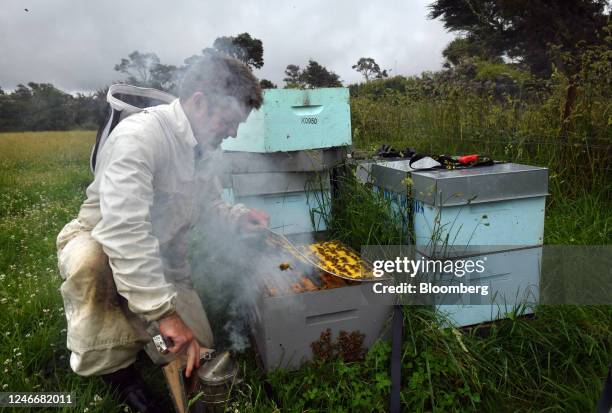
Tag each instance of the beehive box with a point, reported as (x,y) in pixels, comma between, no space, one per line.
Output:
(498,208)
(502,204)
(513,280)
(294,119)
(293,200)
(289,186)
(284,327)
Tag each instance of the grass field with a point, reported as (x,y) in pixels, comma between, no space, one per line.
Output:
(553,362)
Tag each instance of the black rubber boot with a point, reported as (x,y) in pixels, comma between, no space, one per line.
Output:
(132,390)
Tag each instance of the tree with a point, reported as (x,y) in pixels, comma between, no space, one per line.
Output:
(461,49)
(22,93)
(138,67)
(49,108)
(242,47)
(14,108)
(19,110)
(267,84)
(145,69)
(315,75)
(369,69)
(41,106)
(293,77)
(163,77)
(525,29)
(89,110)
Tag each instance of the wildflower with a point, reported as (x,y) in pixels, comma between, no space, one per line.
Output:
(4,386)
(96,400)
(4,300)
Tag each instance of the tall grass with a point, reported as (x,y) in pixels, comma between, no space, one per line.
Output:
(578,150)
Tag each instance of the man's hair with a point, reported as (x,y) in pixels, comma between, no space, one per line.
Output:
(219,76)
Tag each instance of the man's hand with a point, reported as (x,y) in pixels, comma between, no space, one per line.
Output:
(182,339)
(253,221)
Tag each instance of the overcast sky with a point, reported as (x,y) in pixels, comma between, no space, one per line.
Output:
(75,44)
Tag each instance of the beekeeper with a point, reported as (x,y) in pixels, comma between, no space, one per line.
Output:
(124,259)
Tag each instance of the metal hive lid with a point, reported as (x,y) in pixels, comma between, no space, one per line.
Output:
(441,187)
(497,182)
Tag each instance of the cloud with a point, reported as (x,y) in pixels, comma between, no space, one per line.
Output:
(75,44)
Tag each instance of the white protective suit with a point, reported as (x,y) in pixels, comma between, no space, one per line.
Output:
(136,219)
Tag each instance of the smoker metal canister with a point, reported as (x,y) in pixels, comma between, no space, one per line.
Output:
(216,377)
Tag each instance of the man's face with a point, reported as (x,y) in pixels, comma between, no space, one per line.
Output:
(211,123)
(224,123)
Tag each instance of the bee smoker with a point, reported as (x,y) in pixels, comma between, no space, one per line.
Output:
(211,386)
(217,378)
